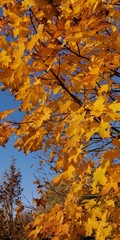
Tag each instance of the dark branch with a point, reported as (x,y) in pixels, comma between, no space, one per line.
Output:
(66,89)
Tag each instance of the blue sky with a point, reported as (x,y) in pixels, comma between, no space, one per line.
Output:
(23,161)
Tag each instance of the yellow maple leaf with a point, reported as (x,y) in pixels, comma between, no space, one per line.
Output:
(90,226)
(4,1)
(57,89)
(115,106)
(106,189)
(29,2)
(6,113)
(34,38)
(99,176)
(58,179)
(98,106)
(103,88)
(5,58)
(104,129)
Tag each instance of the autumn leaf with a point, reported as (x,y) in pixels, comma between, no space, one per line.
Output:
(106,189)
(6,113)
(40,201)
(115,106)
(98,106)
(19,208)
(99,176)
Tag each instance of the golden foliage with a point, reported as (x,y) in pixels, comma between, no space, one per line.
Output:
(62,62)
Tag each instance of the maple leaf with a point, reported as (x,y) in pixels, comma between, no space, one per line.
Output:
(5,58)
(115,106)
(39,202)
(104,129)
(19,208)
(4,1)
(106,189)
(99,175)
(6,113)
(98,106)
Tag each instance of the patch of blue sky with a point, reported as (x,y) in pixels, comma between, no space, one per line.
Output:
(23,162)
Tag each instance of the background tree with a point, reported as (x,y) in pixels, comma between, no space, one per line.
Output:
(20,222)
(61,59)
(10,194)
